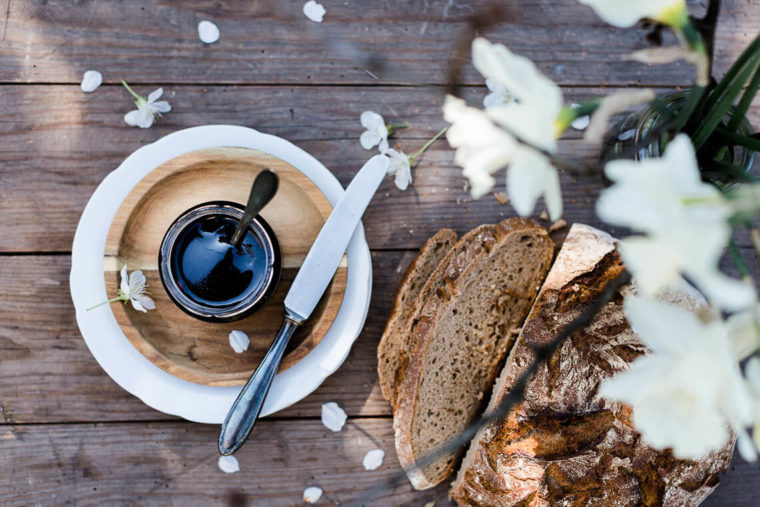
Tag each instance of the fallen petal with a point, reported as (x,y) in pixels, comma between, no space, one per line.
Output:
(580,123)
(333,417)
(312,494)
(314,11)
(373,459)
(229,464)
(208,32)
(91,80)
(239,341)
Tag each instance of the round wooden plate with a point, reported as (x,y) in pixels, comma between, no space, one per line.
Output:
(181,345)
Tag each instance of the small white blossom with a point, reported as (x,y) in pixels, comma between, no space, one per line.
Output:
(239,341)
(312,494)
(314,11)
(400,167)
(133,288)
(689,389)
(147,109)
(685,221)
(376,133)
(228,464)
(208,32)
(497,96)
(91,80)
(626,13)
(373,459)
(333,417)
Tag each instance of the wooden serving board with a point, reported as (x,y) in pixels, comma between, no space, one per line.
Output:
(186,347)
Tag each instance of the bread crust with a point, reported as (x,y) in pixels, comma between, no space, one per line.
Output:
(392,335)
(563,444)
(464,257)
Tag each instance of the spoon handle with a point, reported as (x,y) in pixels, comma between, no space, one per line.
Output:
(263,189)
(244,412)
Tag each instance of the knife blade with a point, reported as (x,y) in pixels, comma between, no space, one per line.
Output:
(309,285)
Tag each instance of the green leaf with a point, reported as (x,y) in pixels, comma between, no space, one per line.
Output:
(751,51)
(738,139)
(741,109)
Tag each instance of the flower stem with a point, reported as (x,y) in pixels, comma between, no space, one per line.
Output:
(393,128)
(427,144)
(112,300)
(130,90)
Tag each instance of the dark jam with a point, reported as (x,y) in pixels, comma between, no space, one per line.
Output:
(212,272)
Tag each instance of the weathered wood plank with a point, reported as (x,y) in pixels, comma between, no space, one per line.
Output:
(62,143)
(176,463)
(272,42)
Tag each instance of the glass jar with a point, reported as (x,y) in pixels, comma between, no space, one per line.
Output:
(622,140)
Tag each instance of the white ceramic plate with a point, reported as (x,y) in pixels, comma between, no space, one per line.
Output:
(130,369)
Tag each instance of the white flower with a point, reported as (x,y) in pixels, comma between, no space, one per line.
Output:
(483,148)
(91,80)
(752,373)
(147,109)
(376,133)
(533,118)
(686,222)
(625,13)
(239,341)
(333,417)
(400,167)
(314,11)
(133,288)
(498,95)
(744,329)
(688,390)
(208,32)
(312,494)
(228,464)
(373,459)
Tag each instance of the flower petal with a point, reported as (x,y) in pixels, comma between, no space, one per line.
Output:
(312,494)
(155,94)
(370,120)
(208,32)
(124,280)
(333,417)
(239,341)
(161,106)
(136,282)
(144,301)
(373,459)
(369,139)
(228,464)
(137,305)
(314,11)
(91,80)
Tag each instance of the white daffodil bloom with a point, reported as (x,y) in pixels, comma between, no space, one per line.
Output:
(685,221)
(376,133)
(133,288)
(483,148)
(688,391)
(147,108)
(400,167)
(626,13)
(752,374)
(538,100)
(497,96)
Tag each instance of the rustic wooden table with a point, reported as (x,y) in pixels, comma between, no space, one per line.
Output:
(70,435)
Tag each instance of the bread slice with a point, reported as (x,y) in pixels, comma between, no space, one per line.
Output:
(460,333)
(563,444)
(392,351)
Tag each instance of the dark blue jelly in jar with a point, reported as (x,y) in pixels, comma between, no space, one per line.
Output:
(209,278)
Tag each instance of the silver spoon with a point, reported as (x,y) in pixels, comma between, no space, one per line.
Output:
(263,189)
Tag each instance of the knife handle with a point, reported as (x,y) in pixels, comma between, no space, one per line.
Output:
(244,412)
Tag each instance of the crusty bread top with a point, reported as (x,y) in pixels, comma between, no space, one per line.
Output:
(563,444)
(392,350)
(461,332)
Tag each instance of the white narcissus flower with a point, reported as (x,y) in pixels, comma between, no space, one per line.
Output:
(688,391)
(483,148)
(626,13)
(400,167)
(147,108)
(685,221)
(376,133)
(497,96)
(133,288)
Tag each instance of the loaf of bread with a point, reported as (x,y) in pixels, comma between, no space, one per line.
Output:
(465,321)
(563,444)
(392,352)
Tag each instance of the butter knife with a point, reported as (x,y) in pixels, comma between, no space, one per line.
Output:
(307,288)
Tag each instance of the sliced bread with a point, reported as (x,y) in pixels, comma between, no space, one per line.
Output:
(563,444)
(464,325)
(392,351)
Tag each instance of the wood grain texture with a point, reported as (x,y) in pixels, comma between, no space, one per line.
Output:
(62,143)
(174,341)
